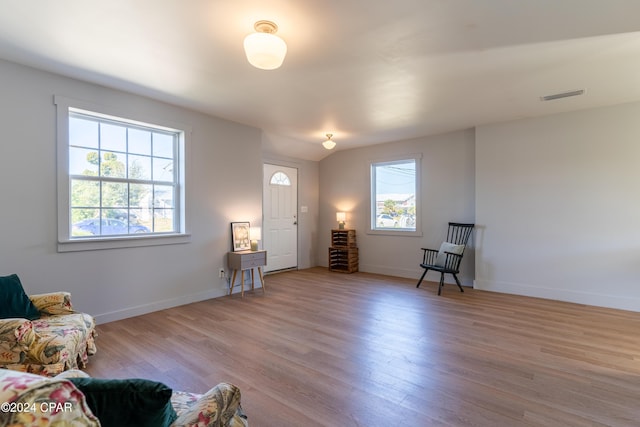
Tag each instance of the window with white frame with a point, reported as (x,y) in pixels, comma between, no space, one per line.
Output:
(119,179)
(395,195)
(280,178)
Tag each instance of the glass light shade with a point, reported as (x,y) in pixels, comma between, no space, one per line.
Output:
(329,144)
(265,51)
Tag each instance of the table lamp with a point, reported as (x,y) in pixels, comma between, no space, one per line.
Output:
(255,234)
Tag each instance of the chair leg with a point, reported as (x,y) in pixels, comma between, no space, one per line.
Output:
(458,282)
(422,277)
(441,283)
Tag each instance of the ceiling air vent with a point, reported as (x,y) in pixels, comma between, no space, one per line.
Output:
(562,95)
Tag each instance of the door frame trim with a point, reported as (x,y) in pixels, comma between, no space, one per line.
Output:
(297,208)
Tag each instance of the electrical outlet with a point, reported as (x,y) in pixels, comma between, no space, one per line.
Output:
(221,272)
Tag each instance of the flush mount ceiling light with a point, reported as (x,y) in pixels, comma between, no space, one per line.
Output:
(329,144)
(263,48)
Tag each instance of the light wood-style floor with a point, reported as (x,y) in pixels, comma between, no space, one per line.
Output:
(330,349)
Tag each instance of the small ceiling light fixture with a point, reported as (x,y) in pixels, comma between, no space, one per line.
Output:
(329,144)
(263,48)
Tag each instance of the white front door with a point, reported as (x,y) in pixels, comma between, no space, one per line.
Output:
(280,222)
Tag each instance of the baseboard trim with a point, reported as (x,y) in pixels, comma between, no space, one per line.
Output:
(578,297)
(408,273)
(282,270)
(155,306)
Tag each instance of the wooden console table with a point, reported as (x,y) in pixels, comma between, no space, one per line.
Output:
(246,260)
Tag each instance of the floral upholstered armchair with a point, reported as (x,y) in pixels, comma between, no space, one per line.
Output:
(74,399)
(42,333)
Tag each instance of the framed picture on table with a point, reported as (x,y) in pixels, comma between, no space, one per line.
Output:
(240,239)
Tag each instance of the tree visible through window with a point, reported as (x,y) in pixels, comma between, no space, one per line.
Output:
(122,177)
(393,195)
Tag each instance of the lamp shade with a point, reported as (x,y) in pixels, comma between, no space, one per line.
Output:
(255,233)
(264,50)
(329,144)
(341,216)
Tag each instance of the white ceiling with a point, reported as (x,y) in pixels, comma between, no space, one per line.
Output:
(368,71)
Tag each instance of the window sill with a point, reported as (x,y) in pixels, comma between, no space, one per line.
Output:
(395,232)
(94,244)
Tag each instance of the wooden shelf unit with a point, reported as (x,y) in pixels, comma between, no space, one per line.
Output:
(343,253)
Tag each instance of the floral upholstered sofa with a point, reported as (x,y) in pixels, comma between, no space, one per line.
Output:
(73,399)
(42,333)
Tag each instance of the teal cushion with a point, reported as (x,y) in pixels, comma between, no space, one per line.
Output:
(128,402)
(14,302)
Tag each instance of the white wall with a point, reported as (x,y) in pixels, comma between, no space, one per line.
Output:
(447,191)
(557,207)
(554,200)
(224,186)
